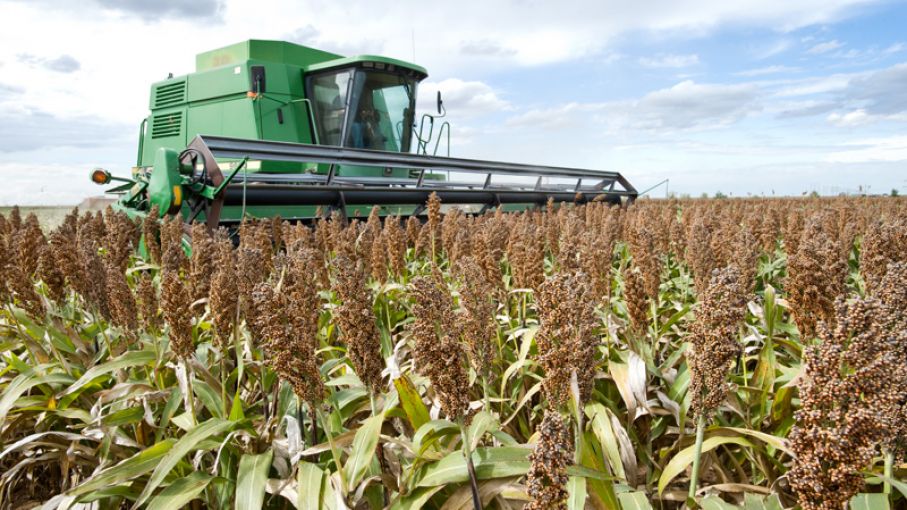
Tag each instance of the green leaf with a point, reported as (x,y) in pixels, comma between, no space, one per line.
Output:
(870,502)
(716,503)
(210,398)
(24,382)
(757,502)
(416,499)
(482,422)
(117,491)
(489,463)
(137,465)
(415,409)
(525,398)
(576,493)
(251,479)
(897,484)
(684,458)
(588,473)
(664,328)
(601,492)
(181,491)
(363,449)
(431,431)
(310,480)
(773,441)
(601,427)
(186,444)
(128,359)
(236,411)
(634,501)
(123,417)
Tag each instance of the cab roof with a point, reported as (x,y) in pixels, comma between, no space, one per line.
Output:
(310,59)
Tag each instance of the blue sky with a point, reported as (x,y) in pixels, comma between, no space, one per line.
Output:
(746,97)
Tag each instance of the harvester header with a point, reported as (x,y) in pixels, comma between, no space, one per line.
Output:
(266,128)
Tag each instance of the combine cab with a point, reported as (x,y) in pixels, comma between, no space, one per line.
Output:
(266,128)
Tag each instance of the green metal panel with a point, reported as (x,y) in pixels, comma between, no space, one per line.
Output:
(165,128)
(254,49)
(164,188)
(230,117)
(217,83)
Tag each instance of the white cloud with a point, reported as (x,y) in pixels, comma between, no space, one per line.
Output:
(883,91)
(686,105)
(819,85)
(893,148)
(670,61)
(764,71)
(61,64)
(894,48)
(772,49)
(486,47)
(824,47)
(462,98)
(849,119)
(694,105)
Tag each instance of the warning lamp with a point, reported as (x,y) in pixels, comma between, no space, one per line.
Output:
(100,176)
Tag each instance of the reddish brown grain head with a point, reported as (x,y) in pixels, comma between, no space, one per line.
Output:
(437,351)
(356,321)
(223,297)
(123,310)
(566,340)
(817,272)
(713,347)
(846,393)
(201,264)
(28,241)
(551,456)
(151,231)
(175,304)
(478,305)
(148,302)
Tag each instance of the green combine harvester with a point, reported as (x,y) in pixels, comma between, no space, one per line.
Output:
(267,128)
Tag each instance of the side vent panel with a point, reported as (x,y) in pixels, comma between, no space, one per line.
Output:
(169,124)
(170,94)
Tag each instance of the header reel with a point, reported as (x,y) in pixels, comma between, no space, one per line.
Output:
(192,183)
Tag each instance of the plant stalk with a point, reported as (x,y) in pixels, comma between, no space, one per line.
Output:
(485,390)
(191,392)
(223,381)
(578,418)
(889,471)
(470,467)
(700,433)
(335,453)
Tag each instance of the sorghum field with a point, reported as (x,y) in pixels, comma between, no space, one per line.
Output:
(735,353)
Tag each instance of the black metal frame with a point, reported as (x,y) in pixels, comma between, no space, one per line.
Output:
(336,190)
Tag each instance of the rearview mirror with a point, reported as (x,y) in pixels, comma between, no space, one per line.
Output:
(440,103)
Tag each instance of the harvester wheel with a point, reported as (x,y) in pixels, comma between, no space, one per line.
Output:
(210,175)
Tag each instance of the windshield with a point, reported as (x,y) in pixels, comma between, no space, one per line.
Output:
(382,106)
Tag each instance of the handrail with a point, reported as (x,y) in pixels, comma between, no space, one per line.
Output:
(446,124)
(142,126)
(422,145)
